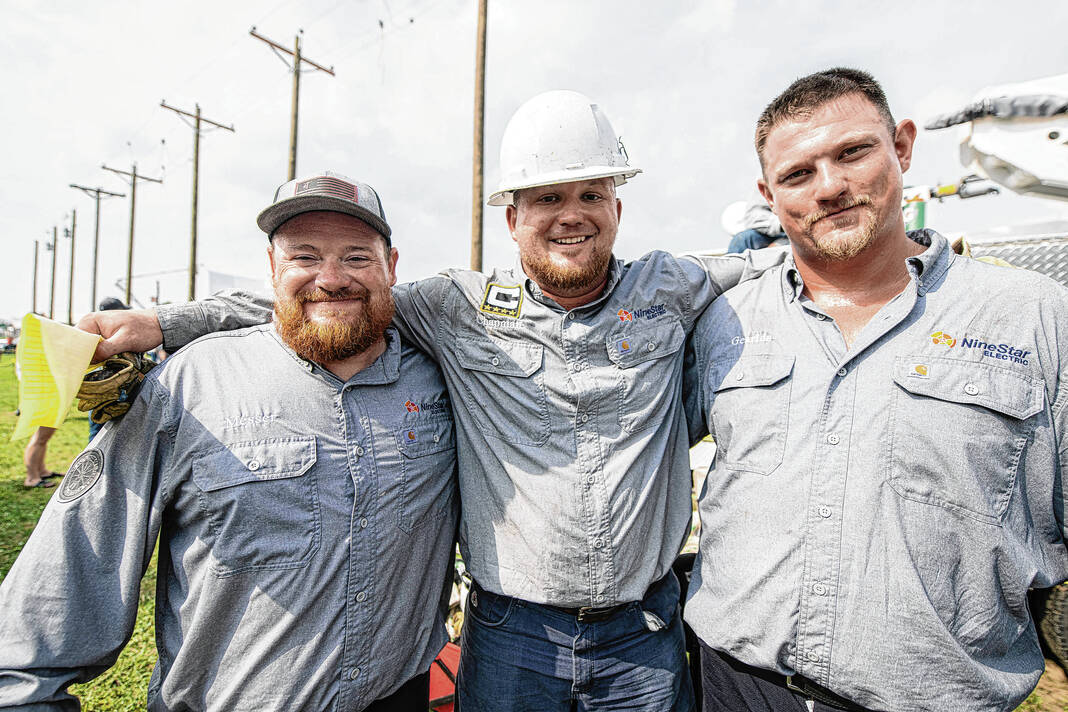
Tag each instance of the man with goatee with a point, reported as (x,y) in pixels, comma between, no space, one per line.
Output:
(300,478)
(890,420)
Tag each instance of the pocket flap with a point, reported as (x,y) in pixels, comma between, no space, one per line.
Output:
(426,438)
(501,357)
(260,460)
(1000,389)
(629,348)
(755,370)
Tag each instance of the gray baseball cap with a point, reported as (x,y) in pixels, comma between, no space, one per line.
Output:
(325,191)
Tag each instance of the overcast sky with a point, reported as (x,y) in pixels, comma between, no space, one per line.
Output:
(683,82)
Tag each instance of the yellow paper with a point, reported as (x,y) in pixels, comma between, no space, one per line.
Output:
(51,359)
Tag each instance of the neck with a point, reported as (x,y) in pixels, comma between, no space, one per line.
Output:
(571,301)
(348,367)
(872,278)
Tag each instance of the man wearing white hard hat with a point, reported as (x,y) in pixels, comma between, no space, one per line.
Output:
(565,375)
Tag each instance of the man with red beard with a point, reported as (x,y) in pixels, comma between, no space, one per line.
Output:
(890,423)
(566,373)
(300,478)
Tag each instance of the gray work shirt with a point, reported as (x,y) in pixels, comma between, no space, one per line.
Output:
(305,528)
(874,516)
(572,442)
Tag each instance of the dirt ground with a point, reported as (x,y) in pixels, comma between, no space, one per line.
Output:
(1051,693)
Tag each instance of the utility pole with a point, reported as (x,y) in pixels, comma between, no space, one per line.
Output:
(52,297)
(197,118)
(70,285)
(297,59)
(33,297)
(480,120)
(134,177)
(96,193)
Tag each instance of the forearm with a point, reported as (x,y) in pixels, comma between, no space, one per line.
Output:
(225,311)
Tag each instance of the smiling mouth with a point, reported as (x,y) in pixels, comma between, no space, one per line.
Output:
(577,240)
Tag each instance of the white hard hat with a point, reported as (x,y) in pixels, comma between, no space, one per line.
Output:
(559,137)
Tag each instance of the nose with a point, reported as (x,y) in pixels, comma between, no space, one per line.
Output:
(571,213)
(331,276)
(830,183)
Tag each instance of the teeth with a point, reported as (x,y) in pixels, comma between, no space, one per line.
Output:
(570,240)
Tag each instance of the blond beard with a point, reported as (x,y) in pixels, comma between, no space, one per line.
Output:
(334,336)
(837,249)
(562,280)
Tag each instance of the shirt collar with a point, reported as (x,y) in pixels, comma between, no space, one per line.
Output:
(926,268)
(615,273)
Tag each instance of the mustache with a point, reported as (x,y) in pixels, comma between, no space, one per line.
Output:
(850,202)
(321,295)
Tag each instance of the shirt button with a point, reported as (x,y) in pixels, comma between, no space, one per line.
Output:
(824,512)
(597,543)
(599,597)
(842,372)
(577,367)
(590,479)
(354,674)
(812,657)
(819,589)
(359,451)
(971,389)
(437,438)
(833,439)
(363,523)
(584,417)
(821,317)
(571,315)
(254,465)
(495,361)
(361,596)
(651,347)
(739,376)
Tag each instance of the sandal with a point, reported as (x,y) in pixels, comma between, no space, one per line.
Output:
(42,484)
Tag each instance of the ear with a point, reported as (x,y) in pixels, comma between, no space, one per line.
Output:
(270,259)
(765,191)
(619,209)
(393,266)
(511,214)
(904,138)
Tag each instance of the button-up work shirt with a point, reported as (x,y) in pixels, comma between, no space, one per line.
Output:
(574,468)
(875,515)
(305,528)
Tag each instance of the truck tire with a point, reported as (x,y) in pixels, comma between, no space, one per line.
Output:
(1050,610)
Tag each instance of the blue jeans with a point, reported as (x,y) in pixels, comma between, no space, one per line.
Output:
(518,655)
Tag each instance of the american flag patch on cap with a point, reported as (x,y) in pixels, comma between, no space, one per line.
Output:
(325,185)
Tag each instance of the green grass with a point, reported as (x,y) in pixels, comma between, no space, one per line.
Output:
(124,686)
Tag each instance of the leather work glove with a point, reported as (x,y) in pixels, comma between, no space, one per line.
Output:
(109,390)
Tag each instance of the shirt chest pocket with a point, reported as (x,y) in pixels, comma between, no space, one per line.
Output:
(503,389)
(751,411)
(648,370)
(958,432)
(428,472)
(261,504)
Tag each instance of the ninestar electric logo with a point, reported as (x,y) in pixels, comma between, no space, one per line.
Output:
(941,338)
(652,312)
(1002,352)
(414,407)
